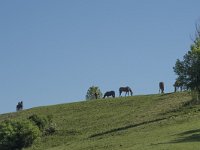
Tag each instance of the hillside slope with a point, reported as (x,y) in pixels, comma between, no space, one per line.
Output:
(131,123)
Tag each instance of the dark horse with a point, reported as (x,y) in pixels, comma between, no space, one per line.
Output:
(19,106)
(178,85)
(109,93)
(161,87)
(126,90)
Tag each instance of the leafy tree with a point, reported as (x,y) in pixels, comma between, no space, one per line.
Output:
(17,134)
(188,70)
(93,93)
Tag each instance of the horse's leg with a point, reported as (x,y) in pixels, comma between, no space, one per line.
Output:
(127,92)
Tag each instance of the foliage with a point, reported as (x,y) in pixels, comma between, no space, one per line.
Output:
(43,123)
(39,121)
(121,123)
(50,129)
(17,134)
(91,93)
(188,70)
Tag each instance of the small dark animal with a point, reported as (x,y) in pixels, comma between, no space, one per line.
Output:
(109,93)
(19,106)
(178,85)
(96,95)
(161,87)
(126,90)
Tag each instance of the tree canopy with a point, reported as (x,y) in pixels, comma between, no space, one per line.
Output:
(188,69)
(93,93)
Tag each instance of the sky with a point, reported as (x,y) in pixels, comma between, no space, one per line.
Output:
(52,51)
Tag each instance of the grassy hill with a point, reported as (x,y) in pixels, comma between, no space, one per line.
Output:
(149,122)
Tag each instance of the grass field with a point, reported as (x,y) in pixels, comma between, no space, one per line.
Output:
(147,122)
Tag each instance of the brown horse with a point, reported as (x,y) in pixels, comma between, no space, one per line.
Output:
(161,87)
(126,90)
(109,93)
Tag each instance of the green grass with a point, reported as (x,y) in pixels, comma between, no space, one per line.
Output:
(149,122)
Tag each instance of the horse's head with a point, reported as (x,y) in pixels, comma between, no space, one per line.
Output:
(131,92)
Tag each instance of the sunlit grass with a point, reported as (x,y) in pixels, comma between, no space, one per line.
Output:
(127,123)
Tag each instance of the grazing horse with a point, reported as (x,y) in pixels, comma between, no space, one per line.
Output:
(178,85)
(109,93)
(161,87)
(19,106)
(126,90)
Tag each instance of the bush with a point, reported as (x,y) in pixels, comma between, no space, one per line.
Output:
(39,121)
(44,123)
(51,129)
(17,134)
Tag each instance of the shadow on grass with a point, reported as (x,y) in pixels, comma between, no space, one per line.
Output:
(126,127)
(166,94)
(67,132)
(191,138)
(189,132)
(188,136)
(185,137)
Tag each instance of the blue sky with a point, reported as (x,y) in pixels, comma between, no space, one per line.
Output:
(51,51)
